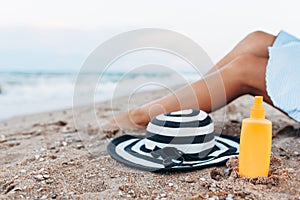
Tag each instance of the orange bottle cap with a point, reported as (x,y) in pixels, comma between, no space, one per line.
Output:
(257,110)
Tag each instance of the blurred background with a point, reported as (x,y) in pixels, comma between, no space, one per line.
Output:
(43,44)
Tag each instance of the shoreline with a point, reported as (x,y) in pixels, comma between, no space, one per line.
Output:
(44,156)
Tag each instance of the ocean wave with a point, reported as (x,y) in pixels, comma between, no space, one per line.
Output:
(31,92)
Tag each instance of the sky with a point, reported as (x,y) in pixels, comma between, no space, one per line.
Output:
(58,35)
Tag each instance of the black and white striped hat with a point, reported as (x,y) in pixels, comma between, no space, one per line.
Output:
(176,141)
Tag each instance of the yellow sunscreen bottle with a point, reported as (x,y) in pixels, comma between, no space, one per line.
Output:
(255,142)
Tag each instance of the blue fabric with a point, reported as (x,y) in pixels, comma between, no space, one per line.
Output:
(283,74)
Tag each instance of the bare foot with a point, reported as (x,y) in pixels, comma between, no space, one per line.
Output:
(132,120)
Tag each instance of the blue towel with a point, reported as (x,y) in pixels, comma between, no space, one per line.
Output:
(283,74)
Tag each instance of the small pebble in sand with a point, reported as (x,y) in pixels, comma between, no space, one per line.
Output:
(216,174)
(46,176)
(213,187)
(290,170)
(121,193)
(79,146)
(202,179)
(214,198)
(64,143)
(65,163)
(57,144)
(58,123)
(2,138)
(130,192)
(163,195)
(52,148)
(226,171)
(111,132)
(91,176)
(17,189)
(38,132)
(229,197)
(189,180)
(296,153)
(39,177)
(49,181)
(23,171)
(68,129)
(171,184)
(53,157)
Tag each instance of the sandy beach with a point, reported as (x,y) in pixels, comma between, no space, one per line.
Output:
(44,156)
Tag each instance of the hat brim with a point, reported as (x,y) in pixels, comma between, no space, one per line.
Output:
(130,150)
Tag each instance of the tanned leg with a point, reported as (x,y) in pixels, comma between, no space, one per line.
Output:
(223,83)
(243,75)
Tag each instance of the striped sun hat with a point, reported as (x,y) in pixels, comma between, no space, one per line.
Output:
(176,141)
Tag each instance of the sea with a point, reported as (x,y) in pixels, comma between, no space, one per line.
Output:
(28,92)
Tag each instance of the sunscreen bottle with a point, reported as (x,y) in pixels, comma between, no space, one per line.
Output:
(255,142)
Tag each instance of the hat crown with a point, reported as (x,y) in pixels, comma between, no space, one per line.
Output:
(190,131)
